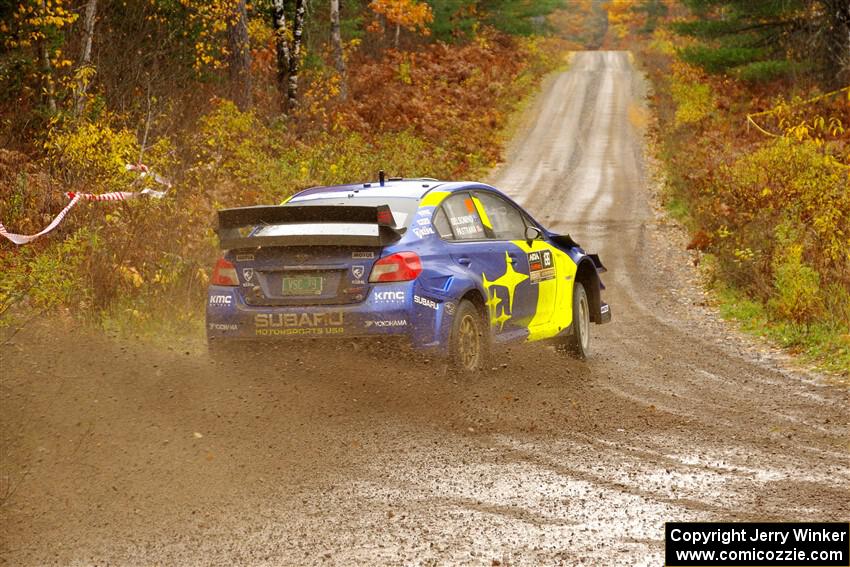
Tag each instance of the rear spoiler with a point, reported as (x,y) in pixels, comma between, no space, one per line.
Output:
(306,225)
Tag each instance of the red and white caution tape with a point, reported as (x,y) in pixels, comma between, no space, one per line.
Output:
(24,239)
(144,171)
(77,197)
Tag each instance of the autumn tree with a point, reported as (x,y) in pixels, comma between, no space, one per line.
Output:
(288,42)
(239,56)
(411,15)
(35,32)
(85,70)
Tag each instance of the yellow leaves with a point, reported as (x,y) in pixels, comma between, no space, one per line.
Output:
(411,15)
(744,255)
(404,73)
(815,130)
(131,276)
(33,22)
(211,18)
(94,152)
(202,276)
(621,16)
(692,94)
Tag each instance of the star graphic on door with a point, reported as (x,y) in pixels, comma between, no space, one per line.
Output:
(509,280)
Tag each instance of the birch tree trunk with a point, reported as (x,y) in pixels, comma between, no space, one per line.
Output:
(84,78)
(295,54)
(281,47)
(336,42)
(240,58)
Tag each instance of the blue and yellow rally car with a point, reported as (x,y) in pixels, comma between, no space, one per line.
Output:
(455,267)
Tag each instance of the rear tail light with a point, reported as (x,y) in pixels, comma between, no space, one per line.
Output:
(224,273)
(400,267)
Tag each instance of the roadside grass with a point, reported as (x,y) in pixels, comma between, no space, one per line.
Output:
(825,344)
(739,198)
(167,326)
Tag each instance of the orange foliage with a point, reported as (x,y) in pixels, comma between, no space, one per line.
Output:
(408,14)
(457,96)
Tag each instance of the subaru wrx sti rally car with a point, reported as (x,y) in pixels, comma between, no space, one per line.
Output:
(454,267)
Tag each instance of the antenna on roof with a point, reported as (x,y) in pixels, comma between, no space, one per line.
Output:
(381,177)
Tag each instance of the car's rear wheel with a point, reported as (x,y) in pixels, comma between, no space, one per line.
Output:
(577,344)
(470,340)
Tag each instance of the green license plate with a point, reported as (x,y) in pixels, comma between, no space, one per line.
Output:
(302,285)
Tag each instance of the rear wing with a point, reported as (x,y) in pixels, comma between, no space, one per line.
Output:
(306,225)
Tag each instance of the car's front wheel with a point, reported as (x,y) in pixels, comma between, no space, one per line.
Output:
(577,344)
(470,339)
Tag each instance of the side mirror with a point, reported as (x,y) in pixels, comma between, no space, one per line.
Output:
(532,233)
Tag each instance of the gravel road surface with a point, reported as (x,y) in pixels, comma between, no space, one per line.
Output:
(118,453)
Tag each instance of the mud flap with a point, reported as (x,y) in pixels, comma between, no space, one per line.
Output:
(604,314)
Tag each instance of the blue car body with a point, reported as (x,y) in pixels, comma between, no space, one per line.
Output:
(303,268)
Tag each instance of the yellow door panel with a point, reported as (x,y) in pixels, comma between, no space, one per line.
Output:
(554,290)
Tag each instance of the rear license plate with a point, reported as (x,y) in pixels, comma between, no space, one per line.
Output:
(302,285)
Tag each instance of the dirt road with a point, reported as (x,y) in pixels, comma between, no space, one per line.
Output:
(121,454)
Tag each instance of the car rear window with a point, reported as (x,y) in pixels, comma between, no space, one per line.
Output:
(402,207)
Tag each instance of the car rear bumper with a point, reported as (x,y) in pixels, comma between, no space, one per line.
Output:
(390,310)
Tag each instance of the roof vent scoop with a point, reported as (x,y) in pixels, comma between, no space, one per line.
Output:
(381,177)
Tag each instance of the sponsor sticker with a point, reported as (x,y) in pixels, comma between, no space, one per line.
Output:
(423,222)
(388,296)
(391,323)
(541,266)
(424,231)
(248,274)
(298,331)
(466,225)
(357,272)
(221,300)
(425,302)
(450,307)
(244,257)
(462,220)
(362,255)
(223,326)
(298,320)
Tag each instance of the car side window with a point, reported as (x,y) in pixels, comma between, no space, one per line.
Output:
(505,220)
(463,218)
(441,224)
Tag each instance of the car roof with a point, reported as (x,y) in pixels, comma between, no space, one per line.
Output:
(401,188)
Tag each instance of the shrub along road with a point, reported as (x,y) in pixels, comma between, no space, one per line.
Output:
(118,453)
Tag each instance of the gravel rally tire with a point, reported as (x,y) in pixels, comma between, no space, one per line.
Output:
(469,343)
(577,344)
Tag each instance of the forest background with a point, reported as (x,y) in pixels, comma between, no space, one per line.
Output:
(239,103)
